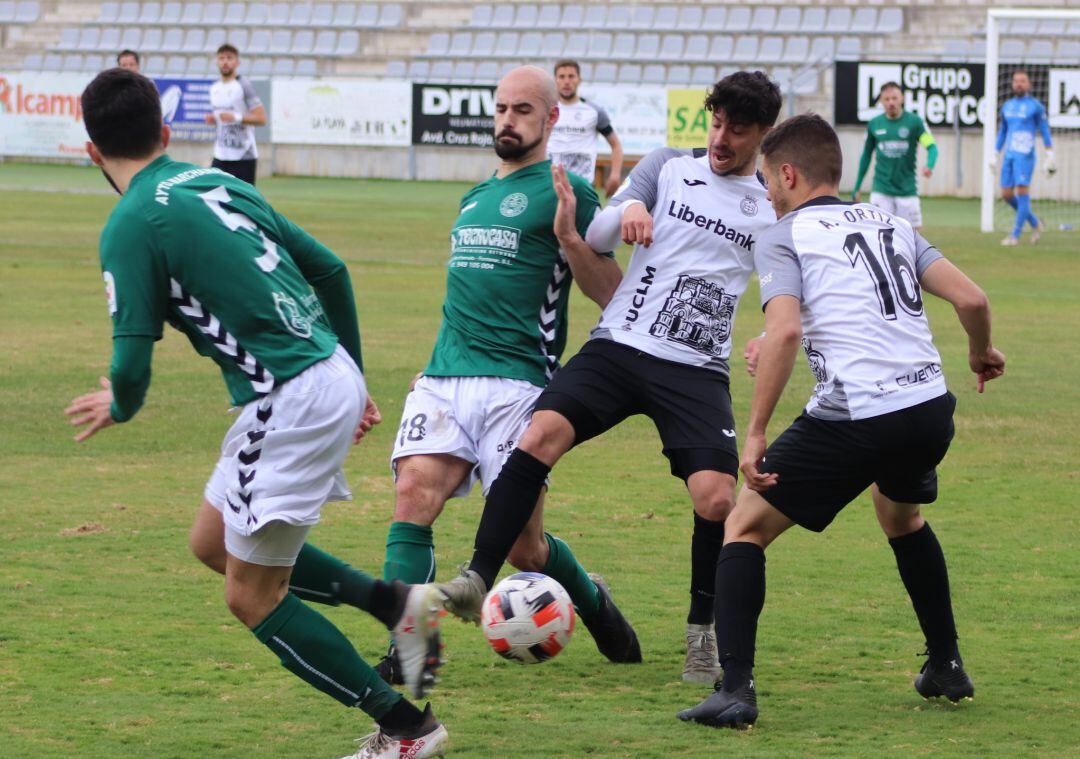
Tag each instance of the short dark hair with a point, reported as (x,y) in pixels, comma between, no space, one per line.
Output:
(227,48)
(1020,71)
(746,97)
(122,113)
(890,86)
(808,143)
(132,53)
(566,63)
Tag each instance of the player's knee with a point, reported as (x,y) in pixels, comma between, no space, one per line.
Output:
(715,506)
(529,556)
(896,524)
(248,607)
(548,436)
(415,501)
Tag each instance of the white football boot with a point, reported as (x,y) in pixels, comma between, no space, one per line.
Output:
(416,636)
(429,740)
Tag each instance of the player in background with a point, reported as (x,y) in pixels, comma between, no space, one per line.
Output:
(503,331)
(274,309)
(236,110)
(128,59)
(880,415)
(1022,116)
(661,349)
(895,136)
(573,139)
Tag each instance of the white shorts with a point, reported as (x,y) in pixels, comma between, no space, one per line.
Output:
(905,206)
(478,419)
(281,460)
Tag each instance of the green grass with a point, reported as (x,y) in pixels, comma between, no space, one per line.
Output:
(114,642)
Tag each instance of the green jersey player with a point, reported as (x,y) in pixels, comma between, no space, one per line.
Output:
(894,137)
(203,251)
(503,331)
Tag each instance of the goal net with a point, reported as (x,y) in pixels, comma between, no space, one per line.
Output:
(1045,44)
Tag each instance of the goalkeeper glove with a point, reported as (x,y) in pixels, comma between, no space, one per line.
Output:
(1051,167)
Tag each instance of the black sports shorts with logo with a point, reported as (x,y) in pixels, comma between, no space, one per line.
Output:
(824,465)
(243,169)
(691,407)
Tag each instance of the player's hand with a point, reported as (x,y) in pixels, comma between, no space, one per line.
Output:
(210,118)
(751,352)
(927,172)
(637,225)
(566,211)
(369,419)
(753,453)
(611,186)
(91,410)
(227,117)
(1050,165)
(987,366)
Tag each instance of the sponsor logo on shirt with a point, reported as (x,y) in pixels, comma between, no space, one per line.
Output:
(698,314)
(716,226)
(816,361)
(110,291)
(292,317)
(638,300)
(693,182)
(514,204)
(469,207)
(929,373)
(483,247)
(749,206)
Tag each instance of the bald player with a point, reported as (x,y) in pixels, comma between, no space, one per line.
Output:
(503,331)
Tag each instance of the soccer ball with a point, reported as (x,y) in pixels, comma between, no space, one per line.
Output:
(527,618)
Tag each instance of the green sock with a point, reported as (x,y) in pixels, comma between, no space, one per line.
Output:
(564,567)
(314,650)
(325,579)
(410,553)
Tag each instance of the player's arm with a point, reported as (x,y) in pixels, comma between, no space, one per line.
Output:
(926,139)
(597,273)
(938,276)
(1044,129)
(1002,135)
(604,127)
(864,163)
(776,358)
(628,215)
(254,113)
(329,277)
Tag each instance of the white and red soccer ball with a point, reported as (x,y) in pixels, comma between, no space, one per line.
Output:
(527,618)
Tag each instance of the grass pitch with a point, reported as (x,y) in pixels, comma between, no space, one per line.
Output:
(114,642)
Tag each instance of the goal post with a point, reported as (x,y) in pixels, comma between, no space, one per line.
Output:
(1056,84)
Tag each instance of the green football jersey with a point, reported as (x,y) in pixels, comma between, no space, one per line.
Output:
(508,282)
(896,142)
(203,251)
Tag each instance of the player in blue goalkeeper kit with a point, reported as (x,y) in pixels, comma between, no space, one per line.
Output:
(1021,116)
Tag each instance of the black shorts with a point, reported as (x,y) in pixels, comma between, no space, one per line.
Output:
(824,465)
(244,169)
(691,407)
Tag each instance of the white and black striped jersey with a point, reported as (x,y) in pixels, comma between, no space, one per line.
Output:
(573,138)
(855,270)
(678,297)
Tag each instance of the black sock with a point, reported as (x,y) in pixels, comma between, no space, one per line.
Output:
(705,548)
(402,719)
(509,507)
(922,568)
(740,596)
(386,603)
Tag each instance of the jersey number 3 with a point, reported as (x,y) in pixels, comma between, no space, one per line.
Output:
(897,283)
(234,220)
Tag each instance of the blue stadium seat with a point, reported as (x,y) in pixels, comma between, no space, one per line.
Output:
(487,72)
(715,18)
(344,15)
(176,65)
(605,73)
(654,73)
(678,75)
(88,38)
(577,44)
(864,21)
(235,13)
(73,62)
(348,43)
(529,45)
(299,15)
(367,16)
(549,16)
(814,20)
(393,14)
(171,13)
(648,47)
(594,17)
(721,48)
(956,49)
(618,18)
(215,38)
(890,21)
(484,45)
(764,19)
(192,13)
(308,67)
(257,14)
(260,42)
(738,19)
(599,45)
(1068,51)
(461,44)
(152,65)
(438,44)
(110,39)
(624,44)
(1012,50)
(671,47)
(97,62)
(702,75)
(69,38)
(129,13)
(53,62)
(697,48)
(630,73)
(849,47)
(463,72)
(746,49)
(194,41)
(690,18)
(239,38)
(666,18)
(573,17)
(502,17)
(322,14)
(201,66)
(173,40)
(822,50)
(303,42)
(796,50)
(506,45)
(279,14)
(107,15)
(283,67)
(788,20)
(642,17)
(481,16)
(1040,51)
(441,71)
(526,16)
(771,49)
(553,45)
(280,41)
(213,14)
(418,70)
(839,20)
(149,13)
(131,39)
(261,68)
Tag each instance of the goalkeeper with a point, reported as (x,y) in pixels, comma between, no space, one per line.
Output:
(1021,116)
(895,136)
